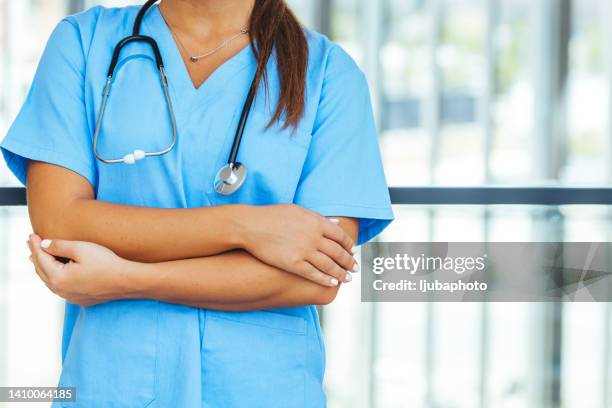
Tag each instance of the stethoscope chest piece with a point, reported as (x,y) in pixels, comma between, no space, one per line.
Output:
(230,178)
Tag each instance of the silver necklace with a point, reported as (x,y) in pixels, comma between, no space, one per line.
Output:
(197,58)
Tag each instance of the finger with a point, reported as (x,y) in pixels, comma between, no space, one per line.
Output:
(313,274)
(339,255)
(326,265)
(61,248)
(46,262)
(41,274)
(333,231)
(32,259)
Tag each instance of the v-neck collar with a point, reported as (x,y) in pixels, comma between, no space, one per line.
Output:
(176,69)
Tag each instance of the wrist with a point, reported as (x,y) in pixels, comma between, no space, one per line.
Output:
(241,219)
(131,280)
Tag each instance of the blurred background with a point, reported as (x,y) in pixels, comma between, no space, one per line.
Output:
(466,93)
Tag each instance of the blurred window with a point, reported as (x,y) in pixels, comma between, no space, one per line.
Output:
(465,92)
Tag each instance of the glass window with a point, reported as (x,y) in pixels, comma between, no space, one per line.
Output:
(26,25)
(588,138)
(466,92)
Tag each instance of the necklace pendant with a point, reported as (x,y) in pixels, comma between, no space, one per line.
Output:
(194,59)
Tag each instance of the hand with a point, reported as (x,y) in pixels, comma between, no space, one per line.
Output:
(93,275)
(302,242)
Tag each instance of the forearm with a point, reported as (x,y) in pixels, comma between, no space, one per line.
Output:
(62,205)
(234,281)
(147,234)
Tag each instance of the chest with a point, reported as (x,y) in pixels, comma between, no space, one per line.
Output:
(137,117)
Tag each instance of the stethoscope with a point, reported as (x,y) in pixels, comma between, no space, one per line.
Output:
(232,175)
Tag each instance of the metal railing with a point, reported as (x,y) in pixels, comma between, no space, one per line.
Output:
(486,195)
(12,196)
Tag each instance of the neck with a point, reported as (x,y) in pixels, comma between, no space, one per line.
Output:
(207,17)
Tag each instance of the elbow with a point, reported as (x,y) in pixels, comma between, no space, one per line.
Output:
(48,226)
(44,226)
(326,296)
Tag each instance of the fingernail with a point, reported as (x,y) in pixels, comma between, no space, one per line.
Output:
(356,268)
(348,278)
(354,250)
(334,220)
(334,282)
(45,243)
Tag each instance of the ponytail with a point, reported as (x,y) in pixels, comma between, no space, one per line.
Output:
(274,28)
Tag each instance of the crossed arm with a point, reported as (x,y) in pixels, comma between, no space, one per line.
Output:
(228,257)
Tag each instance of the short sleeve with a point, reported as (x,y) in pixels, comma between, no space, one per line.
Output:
(343,174)
(52,126)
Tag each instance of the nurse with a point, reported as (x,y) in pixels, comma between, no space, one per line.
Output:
(178,296)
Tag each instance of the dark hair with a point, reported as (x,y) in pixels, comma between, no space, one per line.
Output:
(274,28)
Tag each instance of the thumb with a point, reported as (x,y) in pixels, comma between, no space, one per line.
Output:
(61,248)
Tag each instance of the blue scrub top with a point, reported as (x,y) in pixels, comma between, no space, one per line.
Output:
(139,353)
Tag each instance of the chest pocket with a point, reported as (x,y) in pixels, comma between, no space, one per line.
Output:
(136,117)
(274,158)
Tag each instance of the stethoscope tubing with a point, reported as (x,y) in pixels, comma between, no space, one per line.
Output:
(107,88)
(244,116)
(231,176)
(141,13)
